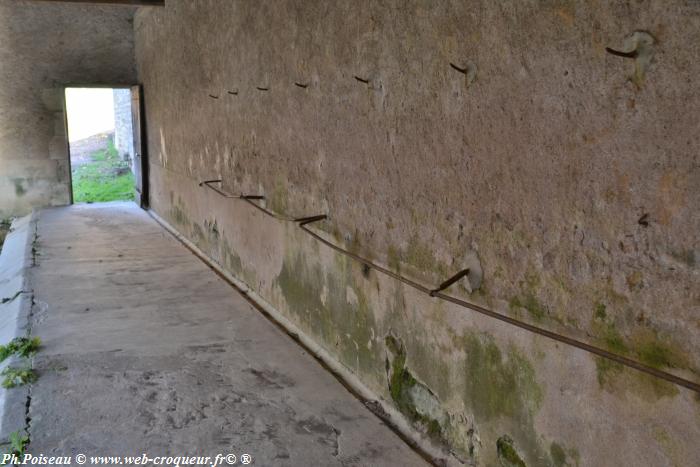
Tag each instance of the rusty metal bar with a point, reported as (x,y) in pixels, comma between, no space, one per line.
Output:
(437,292)
(227,195)
(250,198)
(307,220)
(574,343)
(268,212)
(364,261)
(205,182)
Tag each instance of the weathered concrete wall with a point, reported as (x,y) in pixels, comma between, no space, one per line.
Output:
(123,132)
(44,46)
(571,173)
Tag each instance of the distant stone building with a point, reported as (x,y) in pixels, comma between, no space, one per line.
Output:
(123,134)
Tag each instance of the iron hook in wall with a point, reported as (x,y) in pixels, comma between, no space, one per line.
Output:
(639,46)
(619,53)
(468,71)
(460,69)
(449,282)
(307,220)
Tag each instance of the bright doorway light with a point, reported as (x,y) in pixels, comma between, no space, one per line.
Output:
(100,140)
(90,112)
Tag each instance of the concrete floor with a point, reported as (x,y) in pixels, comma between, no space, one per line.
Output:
(146,350)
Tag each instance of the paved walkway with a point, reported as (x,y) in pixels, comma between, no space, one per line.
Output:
(146,350)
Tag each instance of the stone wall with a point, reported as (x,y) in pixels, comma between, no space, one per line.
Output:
(123,132)
(43,47)
(499,136)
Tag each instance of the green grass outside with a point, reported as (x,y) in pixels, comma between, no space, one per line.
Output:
(106,178)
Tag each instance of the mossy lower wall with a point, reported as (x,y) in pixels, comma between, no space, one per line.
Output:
(482,389)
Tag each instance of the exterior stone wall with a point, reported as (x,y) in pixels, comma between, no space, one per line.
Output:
(444,135)
(123,133)
(43,47)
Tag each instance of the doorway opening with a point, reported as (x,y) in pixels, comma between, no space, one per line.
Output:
(101,144)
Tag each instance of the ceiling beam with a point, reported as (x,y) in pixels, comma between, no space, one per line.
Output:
(110,2)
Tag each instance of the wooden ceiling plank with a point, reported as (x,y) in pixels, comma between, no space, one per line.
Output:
(110,2)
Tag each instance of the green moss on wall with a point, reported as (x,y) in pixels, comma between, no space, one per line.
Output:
(508,456)
(499,385)
(618,379)
(19,186)
(562,456)
(416,255)
(657,353)
(414,399)
(607,332)
(558,455)
(606,369)
(527,298)
(501,389)
(531,304)
(178,214)
(278,200)
(643,345)
(198,235)
(230,258)
(344,322)
(419,255)
(302,292)
(600,313)
(394,258)
(614,342)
